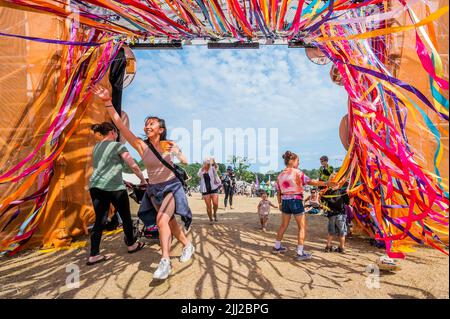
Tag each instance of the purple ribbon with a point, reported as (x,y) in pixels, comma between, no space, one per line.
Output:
(390,79)
(86,44)
(314,27)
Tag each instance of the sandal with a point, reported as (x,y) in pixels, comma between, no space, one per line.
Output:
(104,258)
(139,247)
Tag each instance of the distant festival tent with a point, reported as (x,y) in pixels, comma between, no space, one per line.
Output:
(392,56)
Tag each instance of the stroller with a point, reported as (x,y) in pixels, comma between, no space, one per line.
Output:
(137,192)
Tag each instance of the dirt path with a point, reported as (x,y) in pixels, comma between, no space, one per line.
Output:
(233,260)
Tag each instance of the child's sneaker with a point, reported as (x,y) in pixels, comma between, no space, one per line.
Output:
(279,250)
(328,249)
(340,250)
(303,256)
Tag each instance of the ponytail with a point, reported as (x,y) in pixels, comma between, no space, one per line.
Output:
(103,128)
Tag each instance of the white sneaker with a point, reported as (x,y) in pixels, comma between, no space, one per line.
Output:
(164,269)
(187,253)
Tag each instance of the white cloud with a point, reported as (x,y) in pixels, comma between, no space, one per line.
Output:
(270,87)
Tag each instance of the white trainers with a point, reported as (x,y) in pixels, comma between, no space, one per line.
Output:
(187,253)
(164,269)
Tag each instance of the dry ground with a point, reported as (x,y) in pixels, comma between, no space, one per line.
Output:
(233,260)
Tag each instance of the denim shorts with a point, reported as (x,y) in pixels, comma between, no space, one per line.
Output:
(337,225)
(211,192)
(292,206)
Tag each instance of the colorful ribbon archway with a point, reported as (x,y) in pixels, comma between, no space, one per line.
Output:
(388,54)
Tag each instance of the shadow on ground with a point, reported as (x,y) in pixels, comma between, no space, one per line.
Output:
(233,260)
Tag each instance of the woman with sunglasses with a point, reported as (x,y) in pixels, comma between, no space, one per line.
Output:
(312,203)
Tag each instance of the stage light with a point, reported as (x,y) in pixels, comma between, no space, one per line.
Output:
(157,46)
(300,44)
(233,45)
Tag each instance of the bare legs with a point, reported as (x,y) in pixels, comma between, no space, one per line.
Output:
(168,225)
(208,202)
(263,220)
(341,241)
(301,223)
(212,204)
(215,202)
(285,219)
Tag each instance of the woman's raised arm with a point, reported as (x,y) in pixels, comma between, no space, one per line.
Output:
(134,141)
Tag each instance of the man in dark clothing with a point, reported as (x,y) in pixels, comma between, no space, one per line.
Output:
(325,170)
(335,200)
(229,184)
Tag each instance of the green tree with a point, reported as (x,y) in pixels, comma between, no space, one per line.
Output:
(312,173)
(248,176)
(222,168)
(192,170)
(240,166)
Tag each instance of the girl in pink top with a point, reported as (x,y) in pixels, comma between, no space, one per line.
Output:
(290,184)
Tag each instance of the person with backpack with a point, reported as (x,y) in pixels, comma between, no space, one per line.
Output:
(165,196)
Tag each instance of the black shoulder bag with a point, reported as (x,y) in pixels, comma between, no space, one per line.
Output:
(179,172)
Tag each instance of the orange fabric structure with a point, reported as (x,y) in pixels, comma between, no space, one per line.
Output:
(46,143)
(30,84)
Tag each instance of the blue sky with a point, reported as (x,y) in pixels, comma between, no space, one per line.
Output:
(273,87)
